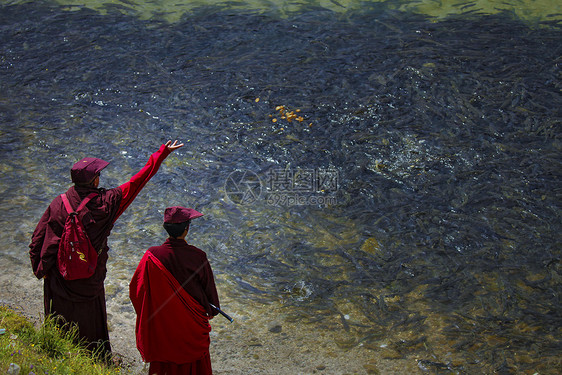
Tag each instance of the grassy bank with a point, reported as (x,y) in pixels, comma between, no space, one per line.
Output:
(43,350)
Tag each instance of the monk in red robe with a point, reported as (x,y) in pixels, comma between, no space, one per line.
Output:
(82,301)
(172,291)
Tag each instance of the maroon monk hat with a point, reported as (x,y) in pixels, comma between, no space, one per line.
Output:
(178,214)
(86,169)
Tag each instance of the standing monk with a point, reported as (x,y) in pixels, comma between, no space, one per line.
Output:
(171,290)
(82,301)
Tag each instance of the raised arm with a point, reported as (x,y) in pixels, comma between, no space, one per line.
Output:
(136,183)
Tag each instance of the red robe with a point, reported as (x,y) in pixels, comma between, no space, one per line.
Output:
(171,325)
(190,267)
(171,290)
(83,301)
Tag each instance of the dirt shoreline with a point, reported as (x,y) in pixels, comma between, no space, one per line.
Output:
(254,344)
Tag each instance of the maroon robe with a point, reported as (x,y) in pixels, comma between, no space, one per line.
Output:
(190,267)
(165,320)
(83,301)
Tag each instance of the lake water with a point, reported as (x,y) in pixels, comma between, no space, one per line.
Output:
(385,174)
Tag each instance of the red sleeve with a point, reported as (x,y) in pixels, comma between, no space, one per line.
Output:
(210,289)
(36,246)
(131,188)
(44,244)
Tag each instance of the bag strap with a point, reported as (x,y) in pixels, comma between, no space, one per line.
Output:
(67,205)
(85,201)
(69,208)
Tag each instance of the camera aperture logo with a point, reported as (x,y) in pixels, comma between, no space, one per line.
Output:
(285,187)
(243,187)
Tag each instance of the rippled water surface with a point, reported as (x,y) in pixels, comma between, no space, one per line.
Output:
(393,165)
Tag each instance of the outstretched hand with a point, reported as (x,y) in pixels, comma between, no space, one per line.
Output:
(171,147)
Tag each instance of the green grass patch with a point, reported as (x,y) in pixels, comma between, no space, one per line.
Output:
(48,349)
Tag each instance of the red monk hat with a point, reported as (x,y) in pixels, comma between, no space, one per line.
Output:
(178,214)
(86,170)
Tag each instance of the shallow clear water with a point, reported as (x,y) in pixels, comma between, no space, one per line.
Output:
(382,175)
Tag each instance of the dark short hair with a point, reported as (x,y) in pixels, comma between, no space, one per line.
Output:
(176,229)
(89,183)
